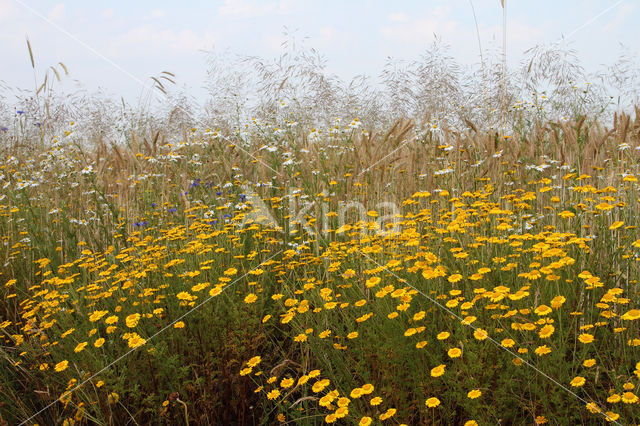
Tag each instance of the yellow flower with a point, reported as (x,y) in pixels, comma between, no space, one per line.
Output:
(629,398)
(470,423)
(254,361)
(614,399)
(507,343)
(215,291)
(388,414)
(111,320)
(367,388)
(273,394)
(372,282)
(557,301)
(616,225)
(438,371)
(330,418)
(61,366)
(231,271)
(132,320)
(593,407)
(419,315)
(585,338)
(66,333)
(543,310)
(365,421)
(454,278)
(480,334)
(96,315)
(352,335)
(432,402)
(320,385)
(578,381)
(566,214)
(349,273)
(341,412)
(611,416)
(136,341)
(443,335)
(80,347)
(113,398)
(251,298)
(287,383)
(313,373)
(546,331)
(343,402)
(589,362)
(326,400)
(542,350)
(633,314)
(454,353)
(356,393)
(473,394)
(324,334)
(375,401)
(179,324)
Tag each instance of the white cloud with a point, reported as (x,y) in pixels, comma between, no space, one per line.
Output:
(420,30)
(518,33)
(327,34)
(155,14)
(397,17)
(248,9)
(274,42)
(57,13)
(6,9)
(150,38)
(624,12)
(107,13)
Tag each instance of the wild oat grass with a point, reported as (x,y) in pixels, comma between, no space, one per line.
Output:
(400,264)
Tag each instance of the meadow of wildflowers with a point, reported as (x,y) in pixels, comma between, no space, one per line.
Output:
(365,269)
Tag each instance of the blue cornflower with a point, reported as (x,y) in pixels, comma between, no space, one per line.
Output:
(4,129)
(243,197)
(20,112)
(172,210)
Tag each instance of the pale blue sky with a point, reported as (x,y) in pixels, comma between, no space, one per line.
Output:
(356,36)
